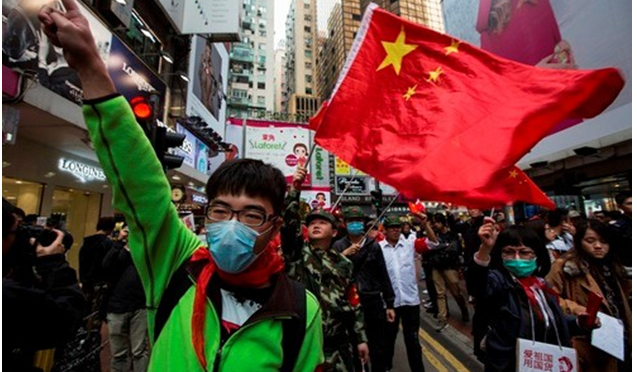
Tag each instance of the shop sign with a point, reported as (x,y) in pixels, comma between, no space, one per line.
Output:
(357,185)
(83,172)
(320,165)
(200,199)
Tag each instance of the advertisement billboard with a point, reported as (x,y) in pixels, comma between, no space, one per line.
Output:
(217,17)
(196,154)
(283,145)
(583,34)
(317,197)
(188,147)
(208,82)
(26,49)
(131,76)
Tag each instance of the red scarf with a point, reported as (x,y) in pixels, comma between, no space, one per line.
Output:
(257,275)
(533,281)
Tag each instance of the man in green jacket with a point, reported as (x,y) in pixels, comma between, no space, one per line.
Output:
(235,310)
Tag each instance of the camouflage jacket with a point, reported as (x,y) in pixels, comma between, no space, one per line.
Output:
(327,274)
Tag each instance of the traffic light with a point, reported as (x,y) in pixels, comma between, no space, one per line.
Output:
(143,113)
(377,199)
(162,141)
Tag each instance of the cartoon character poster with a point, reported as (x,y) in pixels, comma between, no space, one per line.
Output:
(281,144)
(317,198)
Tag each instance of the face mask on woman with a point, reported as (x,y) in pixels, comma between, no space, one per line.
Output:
(520,268)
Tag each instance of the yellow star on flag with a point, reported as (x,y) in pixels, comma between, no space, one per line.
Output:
(513,174)
(410,92)
(433,75)
(396,51)
(453,48)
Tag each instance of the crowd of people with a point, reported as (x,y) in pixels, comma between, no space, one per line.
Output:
(269,290)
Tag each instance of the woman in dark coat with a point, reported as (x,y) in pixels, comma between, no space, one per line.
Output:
(508,270)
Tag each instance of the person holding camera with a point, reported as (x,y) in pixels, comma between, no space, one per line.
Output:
(42,310)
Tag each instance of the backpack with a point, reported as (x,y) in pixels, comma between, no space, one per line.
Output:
(448,253)
(293,328)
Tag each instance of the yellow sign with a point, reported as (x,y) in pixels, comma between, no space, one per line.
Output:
(341,168)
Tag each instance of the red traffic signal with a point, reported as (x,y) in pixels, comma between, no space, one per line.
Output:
(141,108)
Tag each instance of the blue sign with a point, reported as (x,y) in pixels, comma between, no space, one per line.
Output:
(131,76)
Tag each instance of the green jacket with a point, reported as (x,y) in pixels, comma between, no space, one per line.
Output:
(160,243)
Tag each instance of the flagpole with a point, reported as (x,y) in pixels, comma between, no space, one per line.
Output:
(379,217)
(309,157)
(340,196)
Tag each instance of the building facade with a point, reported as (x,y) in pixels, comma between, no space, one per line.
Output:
(251,78)
(340,31)
(279,76)
(300,99)
(424,12)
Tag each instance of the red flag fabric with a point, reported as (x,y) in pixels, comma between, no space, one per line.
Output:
(431,115)
(506,185)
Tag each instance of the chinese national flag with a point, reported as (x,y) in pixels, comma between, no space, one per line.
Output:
(506,185)
(440,119)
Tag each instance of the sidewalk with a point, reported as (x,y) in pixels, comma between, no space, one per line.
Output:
(458,332)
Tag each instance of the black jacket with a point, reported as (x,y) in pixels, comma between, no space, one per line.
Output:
(469,231)
(371,275)
(622,239)
(92,253)
(509,318)
(127,292)
(447,254)
(42,316)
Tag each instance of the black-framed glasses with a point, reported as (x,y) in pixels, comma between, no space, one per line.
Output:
(523,253)
(250,217)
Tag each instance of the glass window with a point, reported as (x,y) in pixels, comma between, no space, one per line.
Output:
(22,194)
(239,93)
(261,85)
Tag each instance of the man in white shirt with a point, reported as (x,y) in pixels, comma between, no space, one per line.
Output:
(399,255)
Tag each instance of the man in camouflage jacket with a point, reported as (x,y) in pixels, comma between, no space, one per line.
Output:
(328,275)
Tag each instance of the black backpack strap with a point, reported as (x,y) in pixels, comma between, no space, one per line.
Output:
(294,328)
(179,284)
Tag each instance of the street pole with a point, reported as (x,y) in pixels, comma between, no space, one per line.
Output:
(380,216)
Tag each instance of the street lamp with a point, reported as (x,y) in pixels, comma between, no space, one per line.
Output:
(181,74)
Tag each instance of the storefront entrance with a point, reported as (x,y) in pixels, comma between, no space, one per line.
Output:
(78,212)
